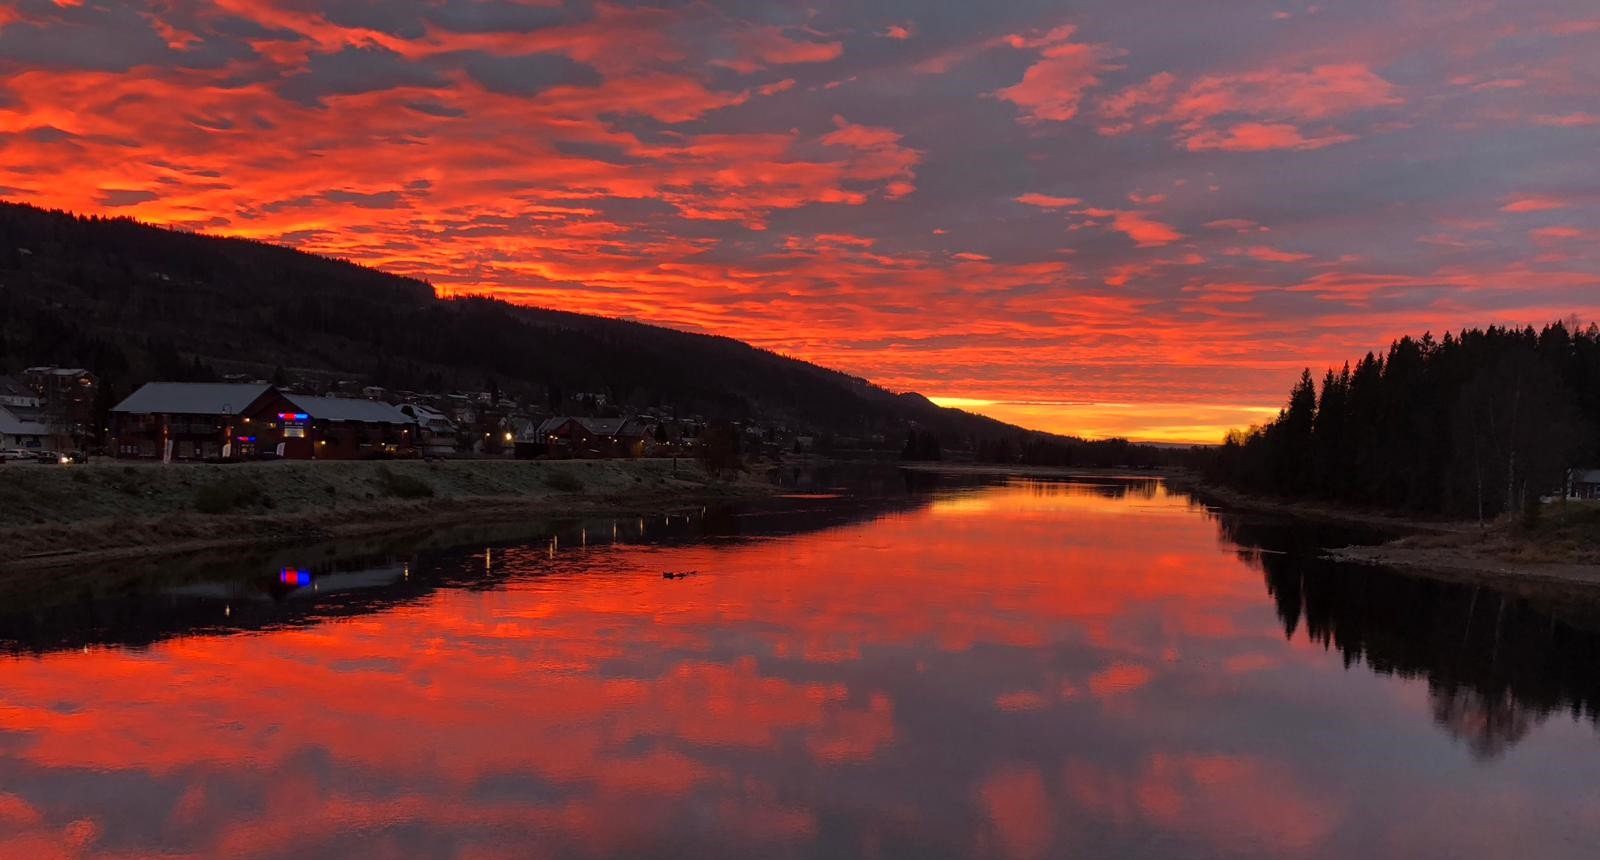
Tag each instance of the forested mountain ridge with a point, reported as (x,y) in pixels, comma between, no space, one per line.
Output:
(1479,423)
(133,303)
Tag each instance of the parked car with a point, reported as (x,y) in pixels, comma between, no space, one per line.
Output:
(19,455)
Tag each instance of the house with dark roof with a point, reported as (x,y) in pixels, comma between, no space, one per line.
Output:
(573,436)
(436,433)
(187,421)
(17,431)
(21,399)
(1583,484)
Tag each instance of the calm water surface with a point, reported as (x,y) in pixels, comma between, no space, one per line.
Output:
(1017,670)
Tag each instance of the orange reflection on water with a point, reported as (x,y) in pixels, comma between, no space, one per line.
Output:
(991,670)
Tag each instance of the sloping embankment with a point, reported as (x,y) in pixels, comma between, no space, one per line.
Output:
(67,515)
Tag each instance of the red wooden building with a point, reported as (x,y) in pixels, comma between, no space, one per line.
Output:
(185,420)
(217,421)
(302,427)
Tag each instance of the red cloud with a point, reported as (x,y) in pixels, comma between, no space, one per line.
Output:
(1052,88)
(1534,203)
(1046,201)
(1258,136)
(1144,231)
(1577,119)
(1267,254)
(768,46)
(1270,105)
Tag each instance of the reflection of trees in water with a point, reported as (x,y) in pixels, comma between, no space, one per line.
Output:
(1496,664)
(1489,727)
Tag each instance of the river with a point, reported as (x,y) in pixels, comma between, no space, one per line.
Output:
(894,668)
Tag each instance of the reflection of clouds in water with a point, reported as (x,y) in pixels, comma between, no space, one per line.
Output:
(1119,679)
(1060,674)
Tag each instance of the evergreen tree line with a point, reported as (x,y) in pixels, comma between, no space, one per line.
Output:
(1475,425)
(921,446)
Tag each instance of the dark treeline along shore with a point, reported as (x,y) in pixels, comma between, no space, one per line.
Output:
(1474,425)
(135,303)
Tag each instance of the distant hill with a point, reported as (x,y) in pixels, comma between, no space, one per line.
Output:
(133,302)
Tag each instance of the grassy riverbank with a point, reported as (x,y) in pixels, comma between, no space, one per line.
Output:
(1561,544)
(55,516)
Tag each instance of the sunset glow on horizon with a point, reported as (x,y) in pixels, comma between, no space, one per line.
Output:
(1096,219)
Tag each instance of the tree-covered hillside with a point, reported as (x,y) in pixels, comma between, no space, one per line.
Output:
(135,303)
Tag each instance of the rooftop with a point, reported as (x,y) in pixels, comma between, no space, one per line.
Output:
(349,409)
(11,425)
(191,398)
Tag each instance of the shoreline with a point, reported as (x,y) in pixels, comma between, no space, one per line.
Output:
(114,512)
(1447,549)
(1307,510)
(1458,563)
(1002,470)
(156,511)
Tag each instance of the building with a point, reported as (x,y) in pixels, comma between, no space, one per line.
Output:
(187,421)
(570,436)
(21,399)
(1583,484)
(302,427)
(66,397)
(436,433)
(18,431)
(231,421)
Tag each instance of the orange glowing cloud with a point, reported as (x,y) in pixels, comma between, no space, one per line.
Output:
(1138,226)
(1531,203)
(1257,136)
(1276,99)
(1052,88)
(1047,201)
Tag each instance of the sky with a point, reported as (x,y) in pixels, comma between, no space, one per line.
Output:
(1101,218)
